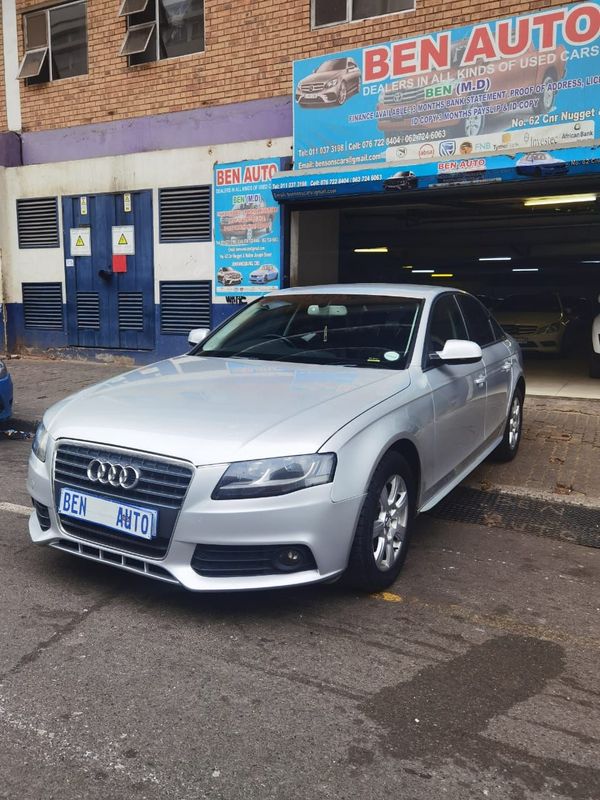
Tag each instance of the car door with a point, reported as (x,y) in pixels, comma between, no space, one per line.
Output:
(459,395)
(497,358)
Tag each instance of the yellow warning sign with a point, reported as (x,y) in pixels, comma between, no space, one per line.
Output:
(122,240)
(79,242)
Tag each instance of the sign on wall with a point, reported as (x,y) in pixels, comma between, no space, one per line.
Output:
(123,240)
(81,241)
(247,229)
(495,87)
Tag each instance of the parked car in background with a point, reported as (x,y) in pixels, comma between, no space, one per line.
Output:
(295,443)
(333,82)
(6,393)
(264,274)
(538,321)
(227,276)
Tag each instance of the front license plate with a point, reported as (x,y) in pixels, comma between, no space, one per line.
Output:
(122,517)
(311,96)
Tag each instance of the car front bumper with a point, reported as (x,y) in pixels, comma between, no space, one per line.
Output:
(6,397)
(308,517)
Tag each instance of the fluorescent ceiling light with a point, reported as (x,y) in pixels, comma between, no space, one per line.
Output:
(407,266)
(529,269)
(371,250)
(590,262)
(423,271)
(498,258)
(561,199)
(443,275)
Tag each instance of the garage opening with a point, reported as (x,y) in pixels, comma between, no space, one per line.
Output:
(533,258)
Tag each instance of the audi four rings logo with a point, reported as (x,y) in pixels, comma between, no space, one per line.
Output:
(113,474)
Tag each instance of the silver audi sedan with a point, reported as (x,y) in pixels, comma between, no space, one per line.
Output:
(295,443)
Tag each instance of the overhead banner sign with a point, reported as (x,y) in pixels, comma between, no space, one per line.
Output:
(522,82)
(248,247)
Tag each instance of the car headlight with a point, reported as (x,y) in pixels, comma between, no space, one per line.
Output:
(553,328)
(40,442)
(3,370)
(270,477)
(333,82)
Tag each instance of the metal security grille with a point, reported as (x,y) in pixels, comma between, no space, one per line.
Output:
(184,306)
(37,222)
(43,306)
(88,310)
(131,311)
(185,214)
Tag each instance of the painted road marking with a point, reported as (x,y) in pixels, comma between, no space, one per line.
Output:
(388,597)
(13,508)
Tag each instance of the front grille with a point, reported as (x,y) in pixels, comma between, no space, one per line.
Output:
(313,87)
(243,561)
(520,330)
(162,486)
(116,559)
(43,515)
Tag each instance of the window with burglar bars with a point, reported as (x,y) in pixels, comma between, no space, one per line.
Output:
(159,29)
(55,43)
(334,12)
(184,214)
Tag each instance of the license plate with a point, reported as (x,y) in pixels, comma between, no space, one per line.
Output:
(311,96)
(122,517)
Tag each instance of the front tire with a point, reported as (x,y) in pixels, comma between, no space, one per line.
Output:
(509,446)
(384,527)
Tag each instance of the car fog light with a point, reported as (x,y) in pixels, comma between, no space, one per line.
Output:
(289,558)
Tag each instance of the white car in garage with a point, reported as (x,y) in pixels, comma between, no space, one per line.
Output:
(537,320)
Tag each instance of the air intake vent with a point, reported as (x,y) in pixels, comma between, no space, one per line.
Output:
(88,311)
(185,214)
(43,306)
(184,306)
(131,311)
(37,222)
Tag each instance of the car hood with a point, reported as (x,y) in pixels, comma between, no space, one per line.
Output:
(214,410)
(528,317)
(318,77)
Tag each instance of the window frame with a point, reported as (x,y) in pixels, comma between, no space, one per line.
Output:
(26,49)
(427,362)
(349,20)
(156,30)
(487,315)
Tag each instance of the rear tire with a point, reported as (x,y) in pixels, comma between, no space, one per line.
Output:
(509,446)
(384,527)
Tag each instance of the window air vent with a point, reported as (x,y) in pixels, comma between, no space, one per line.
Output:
(131,311)
(184,306)
(185,214)
(37,222)
(88,311)
(43,306)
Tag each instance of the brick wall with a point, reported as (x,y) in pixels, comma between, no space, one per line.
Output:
(250,47)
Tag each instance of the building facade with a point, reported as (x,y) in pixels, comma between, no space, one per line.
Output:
(116,118)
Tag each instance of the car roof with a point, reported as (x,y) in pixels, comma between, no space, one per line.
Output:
(417,291)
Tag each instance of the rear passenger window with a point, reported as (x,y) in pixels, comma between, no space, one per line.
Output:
(478,321)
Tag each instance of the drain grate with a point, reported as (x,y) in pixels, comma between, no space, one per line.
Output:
(564,521)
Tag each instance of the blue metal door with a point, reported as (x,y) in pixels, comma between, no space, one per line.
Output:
(108,308)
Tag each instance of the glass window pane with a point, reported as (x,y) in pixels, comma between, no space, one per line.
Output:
(32,64)
(68,40)
(137,39)
(328,12)
(477,319)
(446,323)
(361,9)
(181,27)
(132,7)
(36,31)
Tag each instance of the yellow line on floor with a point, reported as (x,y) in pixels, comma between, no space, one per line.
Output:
(13,508)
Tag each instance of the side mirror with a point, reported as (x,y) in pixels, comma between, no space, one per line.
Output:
(197,335)
(460,351)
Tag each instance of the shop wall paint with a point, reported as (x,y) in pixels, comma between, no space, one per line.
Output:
(190,166)
(496,86)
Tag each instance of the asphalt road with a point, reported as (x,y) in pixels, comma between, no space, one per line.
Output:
(475,677)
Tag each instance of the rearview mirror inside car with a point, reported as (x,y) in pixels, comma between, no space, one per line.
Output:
(460,351)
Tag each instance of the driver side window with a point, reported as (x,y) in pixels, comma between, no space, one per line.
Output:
(446,322)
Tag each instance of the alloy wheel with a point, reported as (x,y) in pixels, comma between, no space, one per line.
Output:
(390,524)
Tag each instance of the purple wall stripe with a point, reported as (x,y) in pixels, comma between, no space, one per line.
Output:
(10,150)
(237,122)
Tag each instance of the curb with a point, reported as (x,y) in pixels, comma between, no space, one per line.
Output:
(525,512)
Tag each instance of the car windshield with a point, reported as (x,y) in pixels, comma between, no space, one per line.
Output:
(545,301)
(333,65)
(348,330)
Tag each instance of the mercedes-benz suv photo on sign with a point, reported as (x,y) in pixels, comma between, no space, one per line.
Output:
(296,443)
(332,83)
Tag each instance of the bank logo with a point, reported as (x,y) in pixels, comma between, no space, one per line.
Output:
(426,151)
(447,148)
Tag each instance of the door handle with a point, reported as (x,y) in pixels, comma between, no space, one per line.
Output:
(507,366)
(479,381)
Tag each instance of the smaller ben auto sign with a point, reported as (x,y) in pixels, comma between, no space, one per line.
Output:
(247,229)
(507,85)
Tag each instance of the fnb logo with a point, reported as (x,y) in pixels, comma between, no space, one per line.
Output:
(448,148)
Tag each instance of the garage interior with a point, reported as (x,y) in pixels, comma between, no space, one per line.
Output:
(513,254)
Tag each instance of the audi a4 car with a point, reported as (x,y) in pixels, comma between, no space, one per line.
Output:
(296,443)
(6,392)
